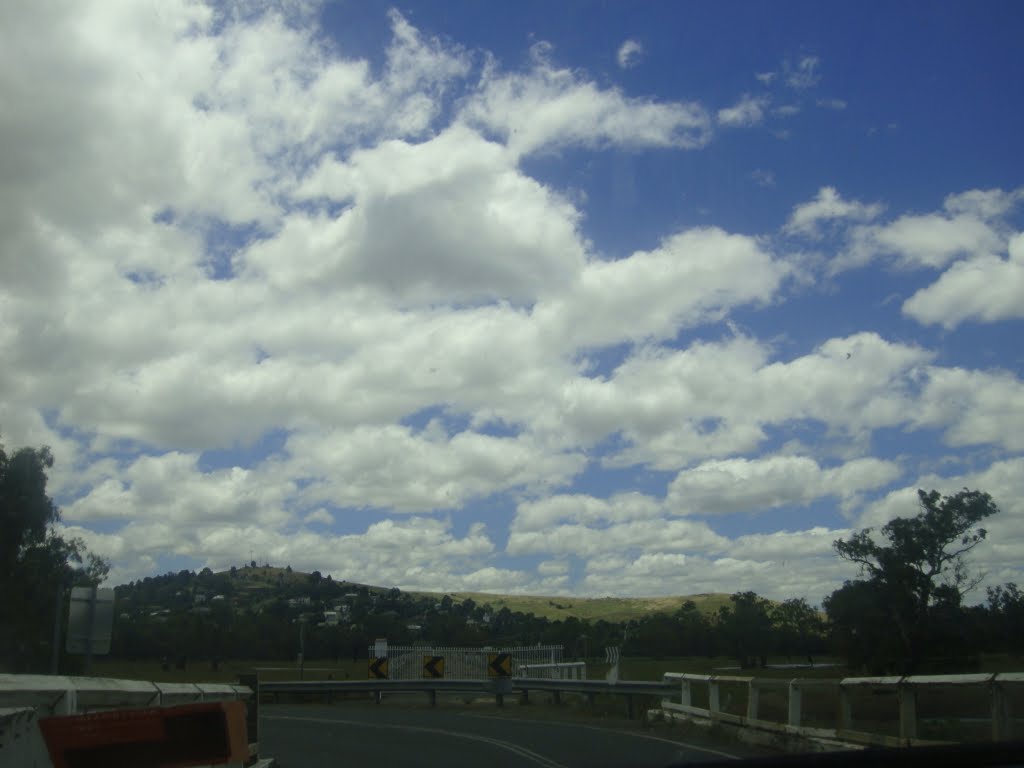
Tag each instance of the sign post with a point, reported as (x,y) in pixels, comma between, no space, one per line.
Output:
(611,656)
(55,645)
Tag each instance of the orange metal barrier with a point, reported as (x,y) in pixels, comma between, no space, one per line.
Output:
(156,737)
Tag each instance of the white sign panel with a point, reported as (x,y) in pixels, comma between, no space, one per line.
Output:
(85,636)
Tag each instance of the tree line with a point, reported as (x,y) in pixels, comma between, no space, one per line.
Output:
(905,612)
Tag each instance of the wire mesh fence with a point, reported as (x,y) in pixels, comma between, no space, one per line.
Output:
(411,662)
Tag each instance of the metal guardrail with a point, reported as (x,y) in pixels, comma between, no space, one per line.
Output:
(905,688)
(372,686)
(619,688)
(497,687)
(622,687)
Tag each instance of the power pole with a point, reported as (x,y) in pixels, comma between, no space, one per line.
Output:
(302,646)
(55,648)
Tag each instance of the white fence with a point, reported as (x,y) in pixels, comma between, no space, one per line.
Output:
(842,702)
(406,662)
(569,670)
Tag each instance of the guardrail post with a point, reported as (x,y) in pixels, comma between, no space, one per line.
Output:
(1002,723)
(432,696)
(1000,713)
(714,700)
(908,712)
(524,696)
(556,697)
(685,695)
(68,703)
(753,700)
(629,706)
(845,709)
(794,703)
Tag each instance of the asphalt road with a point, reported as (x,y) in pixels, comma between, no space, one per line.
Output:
(367,735)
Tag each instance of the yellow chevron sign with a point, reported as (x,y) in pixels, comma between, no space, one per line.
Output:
(499,665)
(377,669)
(433,666)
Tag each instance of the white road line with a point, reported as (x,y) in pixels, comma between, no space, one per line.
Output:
(605,730)
(507,745)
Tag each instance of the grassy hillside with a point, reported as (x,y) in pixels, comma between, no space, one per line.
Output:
(591,608)
(271,577)
(612,609)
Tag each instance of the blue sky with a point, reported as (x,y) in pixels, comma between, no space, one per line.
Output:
(572,298)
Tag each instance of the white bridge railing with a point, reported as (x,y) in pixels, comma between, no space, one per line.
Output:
(566,670)
(845,703)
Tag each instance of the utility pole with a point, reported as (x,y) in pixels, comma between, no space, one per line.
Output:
(302,646)
(92,622)
(55,647)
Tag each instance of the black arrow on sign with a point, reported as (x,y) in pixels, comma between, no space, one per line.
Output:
(500,665)
(433,666)
(379,668)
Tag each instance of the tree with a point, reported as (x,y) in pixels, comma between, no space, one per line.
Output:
(26,512)
(1006,617)
(695,630)
(36,562)
(798,627)
(745,627)
(920,573)
(860,627)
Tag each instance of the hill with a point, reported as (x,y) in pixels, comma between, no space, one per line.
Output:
(261,612)
(265,583)
(613,609)
(260,587)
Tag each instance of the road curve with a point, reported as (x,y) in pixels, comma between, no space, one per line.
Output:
(366,735)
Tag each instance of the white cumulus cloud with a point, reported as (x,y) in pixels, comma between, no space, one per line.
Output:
(804,73)
(749,110)
(629,54)
(828,206)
